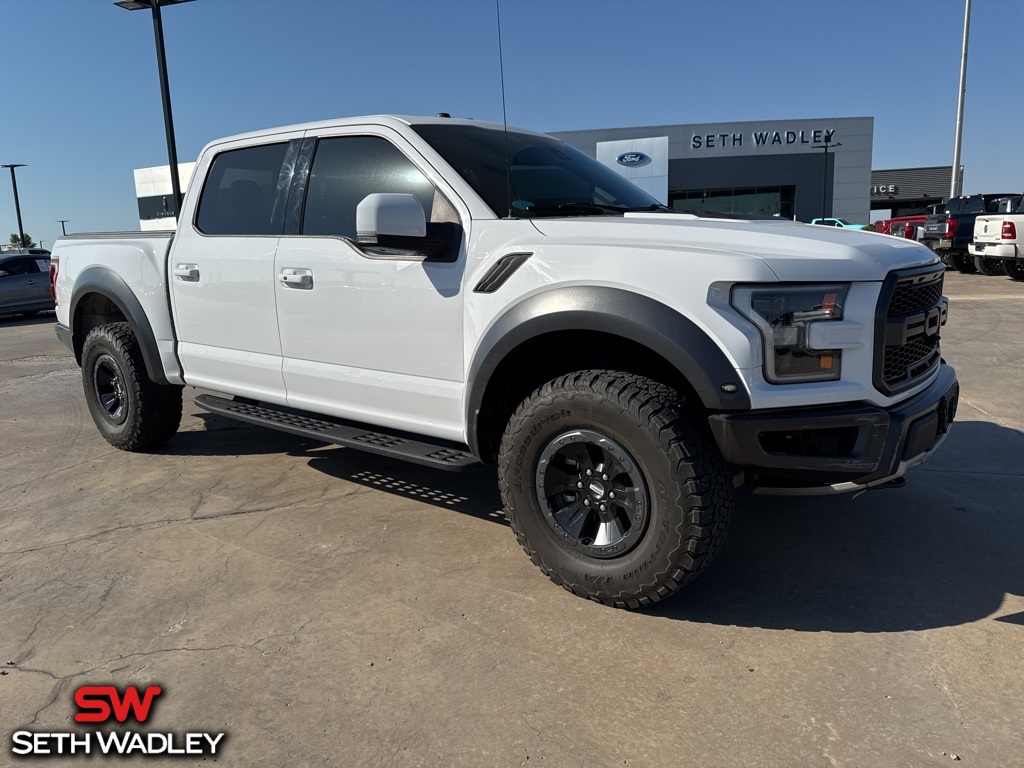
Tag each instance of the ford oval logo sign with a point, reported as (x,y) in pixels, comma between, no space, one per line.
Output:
(632,159)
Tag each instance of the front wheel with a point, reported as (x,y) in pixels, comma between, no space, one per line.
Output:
(131,412)
(1014,268)
(988,266)
(611,487)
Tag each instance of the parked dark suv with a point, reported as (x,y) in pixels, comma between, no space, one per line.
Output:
(24,283)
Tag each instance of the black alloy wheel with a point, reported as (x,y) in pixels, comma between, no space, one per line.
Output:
(592,493)
(110,389)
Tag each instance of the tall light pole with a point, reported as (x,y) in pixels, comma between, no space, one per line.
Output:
(826,145)
(165,91)
(954,187)
(17,204)
(62,222)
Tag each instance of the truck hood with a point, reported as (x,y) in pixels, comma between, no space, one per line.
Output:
(793,251)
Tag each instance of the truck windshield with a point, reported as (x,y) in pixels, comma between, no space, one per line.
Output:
(545,176)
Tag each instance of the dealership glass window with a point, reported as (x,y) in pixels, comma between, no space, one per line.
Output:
(765,201)
(348,168)
(240,192)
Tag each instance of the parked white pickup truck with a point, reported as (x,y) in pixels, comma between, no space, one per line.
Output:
(449,293)
(998,244)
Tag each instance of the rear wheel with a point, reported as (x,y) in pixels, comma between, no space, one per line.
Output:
(1014,268)
(963,263)
(614,491)
(988,266)
(131,412)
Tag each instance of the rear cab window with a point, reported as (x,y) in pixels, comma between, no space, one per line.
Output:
(241,192)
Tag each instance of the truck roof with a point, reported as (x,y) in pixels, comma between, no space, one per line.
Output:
(393,121)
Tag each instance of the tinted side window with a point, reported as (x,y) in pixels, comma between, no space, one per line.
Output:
(240,193)
(20,267)
(348,168)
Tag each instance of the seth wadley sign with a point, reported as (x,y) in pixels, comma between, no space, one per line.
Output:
(760,138)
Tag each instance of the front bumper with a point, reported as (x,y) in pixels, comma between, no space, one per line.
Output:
(836,449)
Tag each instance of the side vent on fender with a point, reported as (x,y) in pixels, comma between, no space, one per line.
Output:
(500,272)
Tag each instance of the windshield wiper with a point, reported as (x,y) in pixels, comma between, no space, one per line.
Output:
(655,208)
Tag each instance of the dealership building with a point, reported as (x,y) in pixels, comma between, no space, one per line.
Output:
(766,166)
(796,169)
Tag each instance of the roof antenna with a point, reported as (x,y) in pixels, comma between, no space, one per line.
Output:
(504,113)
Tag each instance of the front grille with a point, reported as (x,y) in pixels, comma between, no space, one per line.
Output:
(910,313)
(909,298)
(899,362)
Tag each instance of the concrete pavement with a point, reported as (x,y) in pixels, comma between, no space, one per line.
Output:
(327,607)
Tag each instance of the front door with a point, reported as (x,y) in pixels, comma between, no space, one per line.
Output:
(370,339)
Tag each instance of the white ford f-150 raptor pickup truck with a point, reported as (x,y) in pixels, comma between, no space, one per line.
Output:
(455,293)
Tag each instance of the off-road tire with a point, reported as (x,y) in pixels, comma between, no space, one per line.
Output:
(988,266)
(1014,268)
(963,263)
(690,499)
(131,412)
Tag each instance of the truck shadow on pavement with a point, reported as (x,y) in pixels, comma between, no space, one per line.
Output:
(943,551)
(473,493)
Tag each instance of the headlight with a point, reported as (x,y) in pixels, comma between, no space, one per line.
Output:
(784,314)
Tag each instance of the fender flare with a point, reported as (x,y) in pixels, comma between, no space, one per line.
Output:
(622,313)
(110,285)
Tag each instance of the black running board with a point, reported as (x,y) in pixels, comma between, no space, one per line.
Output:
(413,448)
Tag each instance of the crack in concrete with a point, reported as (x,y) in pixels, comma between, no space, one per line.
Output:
(63,680)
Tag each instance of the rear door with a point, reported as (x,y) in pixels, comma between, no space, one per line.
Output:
(221,269)
(372,339)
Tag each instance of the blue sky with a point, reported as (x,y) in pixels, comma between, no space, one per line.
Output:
(82,102)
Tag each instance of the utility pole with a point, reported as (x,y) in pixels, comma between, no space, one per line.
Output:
(165,89)
(826,145)
(17,204)
(954,186)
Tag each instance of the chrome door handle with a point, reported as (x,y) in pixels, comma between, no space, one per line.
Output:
(296,278)
(30,282)
(188,273)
